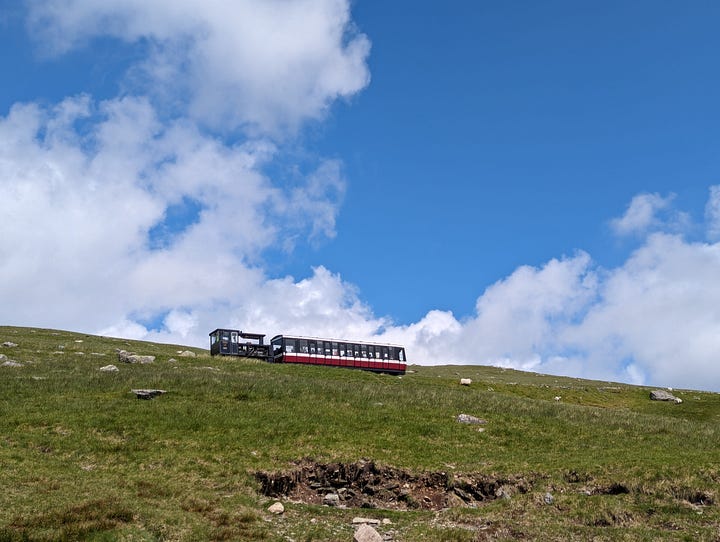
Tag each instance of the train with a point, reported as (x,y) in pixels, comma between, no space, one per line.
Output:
(367,356)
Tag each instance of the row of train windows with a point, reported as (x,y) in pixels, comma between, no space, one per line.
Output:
(327,348)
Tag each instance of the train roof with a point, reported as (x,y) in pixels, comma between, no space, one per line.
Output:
(373,343)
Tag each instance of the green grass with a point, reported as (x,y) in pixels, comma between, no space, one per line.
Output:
(82,458)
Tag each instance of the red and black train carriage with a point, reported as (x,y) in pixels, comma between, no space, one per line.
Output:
(368,356)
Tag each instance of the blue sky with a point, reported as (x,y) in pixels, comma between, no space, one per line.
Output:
(519,184)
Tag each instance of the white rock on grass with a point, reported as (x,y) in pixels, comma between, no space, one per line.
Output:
(365,533)
(467,418)
(11,363)
(109,369)
(276,508)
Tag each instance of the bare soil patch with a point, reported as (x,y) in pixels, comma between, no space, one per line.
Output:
(365,484)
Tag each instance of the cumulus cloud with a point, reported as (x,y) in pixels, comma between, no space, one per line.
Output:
(649,212)
(263,65)
(655,319)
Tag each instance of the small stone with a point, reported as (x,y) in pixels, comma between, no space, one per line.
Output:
(466,418)
(3,357)
(365,521)
(386,521)
(8,344)
(331,499)
(548,498)
(11,363)
(186,354)
(365,533)
(465,381)
(147,394)
(109,369)
(276,508)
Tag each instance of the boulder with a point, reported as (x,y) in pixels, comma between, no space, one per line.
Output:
(128,357)
(109,369)
(467,418)
(662,395)
(331,499)
(465,381)
(8,344)
(365,533)
(276,508)
(186,354)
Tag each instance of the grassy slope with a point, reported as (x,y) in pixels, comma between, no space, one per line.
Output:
(82,458)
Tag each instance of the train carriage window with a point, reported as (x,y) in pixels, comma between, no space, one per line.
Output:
(402,354)
(312,346)
(385,353)
(234,337)
(290,346)
(327,348)
(335,349)
(363,351)
(356,350)
(319,348)
(378,352)
(342,349)
(303,346)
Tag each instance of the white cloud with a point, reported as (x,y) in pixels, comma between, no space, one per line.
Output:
(642,214)
(264,65)
(712,214)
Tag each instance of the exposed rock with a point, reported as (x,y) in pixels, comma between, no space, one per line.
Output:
(11,363)
(186,354)
(467,418)
(365,484)
(3,357)
(109,369)
(548,498)
(662,395)
(172,360)
(465,381)
(147,394)
(128,357)
(276,508)
(365,533)
(9,344)
(367,521)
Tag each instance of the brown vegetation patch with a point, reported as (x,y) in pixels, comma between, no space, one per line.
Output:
(364,484)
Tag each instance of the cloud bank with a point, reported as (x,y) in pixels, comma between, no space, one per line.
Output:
(135,215)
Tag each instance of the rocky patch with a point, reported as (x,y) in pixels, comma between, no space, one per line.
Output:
(365,484)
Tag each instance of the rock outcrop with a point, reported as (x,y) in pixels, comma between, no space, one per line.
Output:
(662,395)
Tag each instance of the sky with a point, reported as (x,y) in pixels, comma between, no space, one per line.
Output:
(520,184)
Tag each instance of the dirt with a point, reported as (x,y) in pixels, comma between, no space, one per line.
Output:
(365,484)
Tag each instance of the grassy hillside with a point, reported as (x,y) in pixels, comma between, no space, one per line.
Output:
(82,458)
